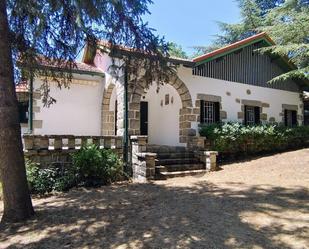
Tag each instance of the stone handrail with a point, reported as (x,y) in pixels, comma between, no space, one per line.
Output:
(68,142)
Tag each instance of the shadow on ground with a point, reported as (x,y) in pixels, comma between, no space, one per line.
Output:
(160,216)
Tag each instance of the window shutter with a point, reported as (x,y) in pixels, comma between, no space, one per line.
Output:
(217,112)
(286,117)
(257,115)
(202,111)
(245,115)
(294,118)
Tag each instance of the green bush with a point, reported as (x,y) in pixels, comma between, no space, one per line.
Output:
(237,138)
(95,166)
(91,166)
(40,180)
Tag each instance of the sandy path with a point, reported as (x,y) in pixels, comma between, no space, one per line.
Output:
(262,203)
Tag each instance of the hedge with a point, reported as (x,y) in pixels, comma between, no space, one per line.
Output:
(235,138)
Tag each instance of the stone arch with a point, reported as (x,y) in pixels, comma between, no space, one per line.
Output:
(107,116)
(187,114)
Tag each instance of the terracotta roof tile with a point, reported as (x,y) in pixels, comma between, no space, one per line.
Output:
(79,66)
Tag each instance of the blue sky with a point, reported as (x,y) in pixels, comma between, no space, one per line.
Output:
(191,22)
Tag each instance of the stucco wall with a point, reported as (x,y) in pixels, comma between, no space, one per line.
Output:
(163,121)
(231,92)
(77,110)
(104,62)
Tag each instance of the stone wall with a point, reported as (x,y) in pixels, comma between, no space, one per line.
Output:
(107,116)
(55,150)
(143,163)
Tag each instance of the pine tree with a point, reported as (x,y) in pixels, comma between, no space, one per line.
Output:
(288,26)
(52,32)
(176,50)
(252,16)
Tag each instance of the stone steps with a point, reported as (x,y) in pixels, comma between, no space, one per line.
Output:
(175,155)
(170,161)
(166,175)
(161,149)
(176,162)
(179,167)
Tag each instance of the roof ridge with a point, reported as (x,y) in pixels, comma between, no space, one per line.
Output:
(232,46)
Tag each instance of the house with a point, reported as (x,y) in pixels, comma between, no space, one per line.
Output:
(228,84)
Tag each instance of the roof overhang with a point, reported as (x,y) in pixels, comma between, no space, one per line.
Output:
(261,37)
(119,51)
(73,70)
(77,69)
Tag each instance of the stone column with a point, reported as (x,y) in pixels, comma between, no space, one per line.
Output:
(209,158)
(143,163)
(120,109)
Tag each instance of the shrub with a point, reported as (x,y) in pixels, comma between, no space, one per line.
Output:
(236,138)
(91,167)
(40,180)
(95,166)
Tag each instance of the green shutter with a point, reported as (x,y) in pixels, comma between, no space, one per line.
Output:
(294,118)
(257,111)
(202,111)
(217,112)
(286,117)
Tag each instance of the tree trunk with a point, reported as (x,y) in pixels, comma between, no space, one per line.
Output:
(16,197)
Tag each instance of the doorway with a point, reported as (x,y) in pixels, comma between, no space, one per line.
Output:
(144,118)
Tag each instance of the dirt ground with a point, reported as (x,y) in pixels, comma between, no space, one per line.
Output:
(262,203)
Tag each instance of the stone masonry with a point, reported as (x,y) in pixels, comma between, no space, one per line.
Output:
(143,163)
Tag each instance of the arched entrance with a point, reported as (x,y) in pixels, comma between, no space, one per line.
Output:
(186,114)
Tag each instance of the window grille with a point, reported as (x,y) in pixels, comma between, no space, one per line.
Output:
(209,110)
(250,114)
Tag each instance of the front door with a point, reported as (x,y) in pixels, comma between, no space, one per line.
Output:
(144,118)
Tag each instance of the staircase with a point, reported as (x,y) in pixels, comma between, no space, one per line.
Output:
(175,162)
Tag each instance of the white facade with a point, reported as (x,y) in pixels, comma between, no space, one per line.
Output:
(230,91)
(78,110)
(163,119)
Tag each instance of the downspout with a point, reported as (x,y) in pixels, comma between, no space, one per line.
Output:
(126,126)
(30,119)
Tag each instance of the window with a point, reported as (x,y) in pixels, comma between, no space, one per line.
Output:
(23,111)
(210,112)
(252,115)
(290,118)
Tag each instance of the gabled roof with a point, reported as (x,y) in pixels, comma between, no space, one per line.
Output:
(64,65)
(79,67)
(90,52)
(233,47)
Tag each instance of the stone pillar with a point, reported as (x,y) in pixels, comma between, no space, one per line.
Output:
(57,143)
(210,159)
(196,143)
(143,163)
(120,109)
(28,142)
